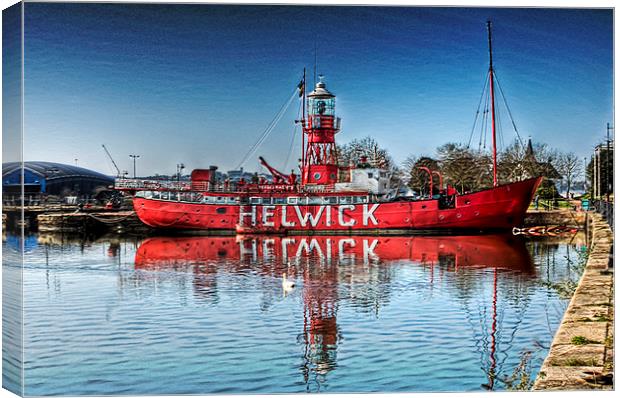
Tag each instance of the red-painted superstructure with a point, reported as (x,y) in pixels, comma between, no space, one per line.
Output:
(327,197)
(320,160)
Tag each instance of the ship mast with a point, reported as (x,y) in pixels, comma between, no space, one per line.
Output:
(492,89)
(303,124)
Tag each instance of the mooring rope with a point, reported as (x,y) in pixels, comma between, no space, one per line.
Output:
(109,221)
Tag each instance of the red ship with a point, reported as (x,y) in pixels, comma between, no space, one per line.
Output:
(328,197)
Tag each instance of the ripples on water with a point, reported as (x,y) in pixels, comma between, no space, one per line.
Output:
(173,315)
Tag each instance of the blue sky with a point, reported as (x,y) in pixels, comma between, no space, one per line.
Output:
(199,83)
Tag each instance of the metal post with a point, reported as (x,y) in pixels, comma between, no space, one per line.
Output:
(585,175)
(180,167)
(303,127)
(595,172)
(134,157)
(607,169)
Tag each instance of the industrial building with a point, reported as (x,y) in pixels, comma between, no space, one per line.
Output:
(52,179)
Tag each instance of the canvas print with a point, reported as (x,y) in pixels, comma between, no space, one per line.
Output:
(260,199)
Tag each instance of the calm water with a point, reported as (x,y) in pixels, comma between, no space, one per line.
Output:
(173,315)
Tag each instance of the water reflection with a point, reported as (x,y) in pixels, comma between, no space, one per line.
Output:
(449,252)
(368,313)
(333,269)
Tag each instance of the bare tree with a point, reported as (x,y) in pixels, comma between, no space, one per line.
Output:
(569,166)
(351,153)
(464,168)
(514,163)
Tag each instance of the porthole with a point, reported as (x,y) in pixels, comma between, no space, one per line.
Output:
(332,176)
(317,176)
(220,210)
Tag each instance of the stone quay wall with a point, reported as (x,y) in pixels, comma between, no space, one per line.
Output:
(582,351)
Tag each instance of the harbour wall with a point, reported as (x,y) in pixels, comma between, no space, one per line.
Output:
(569,218)
(82,222)
(582,351)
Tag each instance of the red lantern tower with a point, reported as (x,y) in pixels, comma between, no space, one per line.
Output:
(319,161)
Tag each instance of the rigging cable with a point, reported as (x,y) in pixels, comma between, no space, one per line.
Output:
(292,145)
(498,130)
(269,129)
(484,87)
(485,126)
(514,125)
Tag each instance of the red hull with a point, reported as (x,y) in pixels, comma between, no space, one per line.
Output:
(502,207)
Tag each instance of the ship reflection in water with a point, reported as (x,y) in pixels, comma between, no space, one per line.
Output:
(332,270)
(204,315)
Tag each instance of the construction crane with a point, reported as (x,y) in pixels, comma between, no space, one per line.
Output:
(118,171)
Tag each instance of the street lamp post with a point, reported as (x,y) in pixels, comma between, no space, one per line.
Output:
(180,167)
(585,175)
(134,157)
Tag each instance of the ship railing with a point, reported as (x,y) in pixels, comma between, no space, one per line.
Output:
(202,186)
(267,188)
(152,185)
(167,185)
(317,188)
(319,122)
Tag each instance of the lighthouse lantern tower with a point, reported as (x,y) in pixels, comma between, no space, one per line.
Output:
(320,162)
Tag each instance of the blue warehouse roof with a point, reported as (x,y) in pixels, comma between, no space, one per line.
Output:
(50,171)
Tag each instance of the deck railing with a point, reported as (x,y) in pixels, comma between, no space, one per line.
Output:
(152,185)
(220,187)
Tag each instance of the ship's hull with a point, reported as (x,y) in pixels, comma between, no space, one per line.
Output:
(498,208)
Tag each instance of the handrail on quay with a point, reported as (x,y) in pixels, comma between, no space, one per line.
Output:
(606,209)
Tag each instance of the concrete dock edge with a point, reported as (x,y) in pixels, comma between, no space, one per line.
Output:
(581,354)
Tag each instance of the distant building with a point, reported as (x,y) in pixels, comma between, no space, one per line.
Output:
(236,175)
(51,179)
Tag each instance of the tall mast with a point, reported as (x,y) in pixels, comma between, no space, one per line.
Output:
(303,124)
(491,85)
